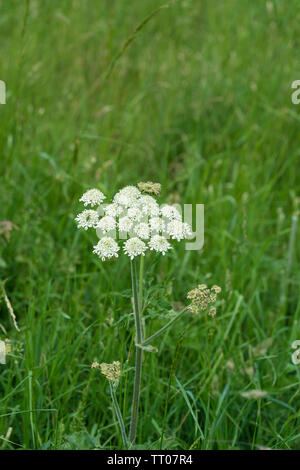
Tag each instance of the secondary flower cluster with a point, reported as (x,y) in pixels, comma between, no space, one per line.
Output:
(131,212)
(111,371)
(201,297)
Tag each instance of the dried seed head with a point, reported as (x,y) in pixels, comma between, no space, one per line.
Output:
(150,188)
(111,371)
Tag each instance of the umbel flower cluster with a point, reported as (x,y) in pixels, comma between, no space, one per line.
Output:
(137,218)
(111,371)
(202,297)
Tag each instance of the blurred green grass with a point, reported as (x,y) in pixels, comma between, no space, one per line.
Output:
(201,102)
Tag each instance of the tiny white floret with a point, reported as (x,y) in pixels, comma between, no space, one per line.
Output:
(142,230)
(125,224)
(106,248)
(87,219)
(107,223)
(170,212)
(160,244)
(92,197)
(134,247)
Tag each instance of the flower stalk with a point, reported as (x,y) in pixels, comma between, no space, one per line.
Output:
(163,329)
(118,413)
(138,353)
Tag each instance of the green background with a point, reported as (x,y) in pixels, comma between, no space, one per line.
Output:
(199,101)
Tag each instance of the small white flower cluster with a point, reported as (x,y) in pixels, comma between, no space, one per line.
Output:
(133,213)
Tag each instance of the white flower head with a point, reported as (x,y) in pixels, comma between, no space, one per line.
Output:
(106,224)
(131,191)
(127,196)
(134,247)
(134,213)
(170,212)
(187,229)
(149,206)
(87,219)
(160,244)
(113,209)
(142,230)
(125,224)
(178,230)
(157,224)
(92,197)
(106,248)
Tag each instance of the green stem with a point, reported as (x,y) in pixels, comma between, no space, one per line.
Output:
(164,328)
(118,414)
(141,294)
(141,283)
(138,356)
(31,408)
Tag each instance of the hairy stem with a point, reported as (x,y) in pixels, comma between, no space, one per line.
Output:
(138,355)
